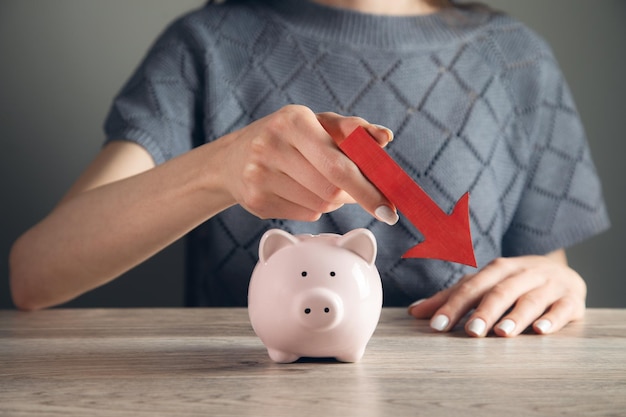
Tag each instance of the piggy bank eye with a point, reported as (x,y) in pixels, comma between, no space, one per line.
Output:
(304,273)
(332,273)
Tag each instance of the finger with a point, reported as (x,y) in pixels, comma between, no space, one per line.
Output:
(297,167)
(468,292)
(339,127)
(275,164)
(516,288)
(275,206)
(290,190)
(456,307)
(562,295)
(426,307)
(275,195)
(562,312)
(268,187)
(338,169)
(307,180)
(528,308)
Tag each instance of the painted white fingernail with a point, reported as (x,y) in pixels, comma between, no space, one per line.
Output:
(543,325)
(387,215)
(413,304)
(389,131)
(439,323)
(477,327)
(507,326)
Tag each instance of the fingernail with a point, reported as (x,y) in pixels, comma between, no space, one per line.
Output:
(415,303)
(543,325)
(387,215)
(389,131)
(439,323)
(507,326)
(477,327)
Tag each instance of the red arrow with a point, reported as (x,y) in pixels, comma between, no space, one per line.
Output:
(446,237)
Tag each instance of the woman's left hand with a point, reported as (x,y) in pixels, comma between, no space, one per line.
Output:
(509,295)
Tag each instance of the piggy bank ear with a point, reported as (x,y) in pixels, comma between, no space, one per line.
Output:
(274,240)
(360,241)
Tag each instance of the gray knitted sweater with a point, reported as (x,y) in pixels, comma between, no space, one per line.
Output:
(476,100)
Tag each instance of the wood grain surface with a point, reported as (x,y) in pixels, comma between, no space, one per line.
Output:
(186,362)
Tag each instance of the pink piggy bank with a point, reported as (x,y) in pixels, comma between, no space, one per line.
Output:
(315,296)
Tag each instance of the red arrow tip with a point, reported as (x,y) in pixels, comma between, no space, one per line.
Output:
(454,240)
(447,237)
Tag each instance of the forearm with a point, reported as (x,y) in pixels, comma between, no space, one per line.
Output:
(96,235)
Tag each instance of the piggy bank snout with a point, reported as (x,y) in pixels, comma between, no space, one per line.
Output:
(319,309)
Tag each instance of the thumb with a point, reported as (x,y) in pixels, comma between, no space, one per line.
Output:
(339,127)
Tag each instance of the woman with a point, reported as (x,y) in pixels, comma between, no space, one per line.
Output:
(231,123)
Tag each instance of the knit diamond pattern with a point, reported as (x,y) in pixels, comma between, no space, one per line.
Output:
(487,111)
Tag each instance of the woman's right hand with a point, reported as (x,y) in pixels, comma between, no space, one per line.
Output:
(123,209)
(287,165)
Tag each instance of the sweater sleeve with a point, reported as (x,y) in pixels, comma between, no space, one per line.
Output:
(158,107)
(562,202)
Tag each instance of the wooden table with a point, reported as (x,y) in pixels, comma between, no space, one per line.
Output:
(208,362)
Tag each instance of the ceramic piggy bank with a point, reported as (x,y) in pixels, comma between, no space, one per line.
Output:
(315,296)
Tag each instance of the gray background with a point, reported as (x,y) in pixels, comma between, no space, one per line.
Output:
(62,61)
